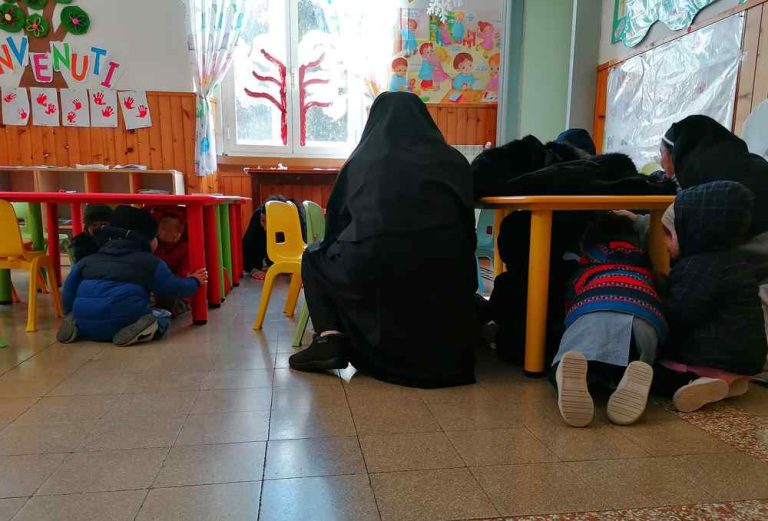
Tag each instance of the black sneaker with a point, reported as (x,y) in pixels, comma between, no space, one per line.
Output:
(68,332)
(325,353)
(143,330)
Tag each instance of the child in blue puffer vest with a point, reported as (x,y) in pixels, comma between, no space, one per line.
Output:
(107,295)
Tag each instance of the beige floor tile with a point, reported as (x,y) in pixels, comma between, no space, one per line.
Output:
(232,400)
(233,427)
(413,451)
(105,471)
(316,397)
(466,394)
(23,475)
(369,395)
(231,501)
(9,507)
(57,409)
(244,361)
(140,432)
(281,360)
(335,498)
(211,464)
(112,506)
(161,381)
(463,417)
(11,408)
(728,477)
(392,417)
(599,441)
(39,439)
(430,494)
(540,488)
(291,378)
(313,457)
(754,402)
(238,379)
(310,423)
(500,447)
(166,403)
(13,385)
(676,438)
(88,383)
(637,483)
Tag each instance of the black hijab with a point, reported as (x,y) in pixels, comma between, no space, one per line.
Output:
(402,177)
(704,151)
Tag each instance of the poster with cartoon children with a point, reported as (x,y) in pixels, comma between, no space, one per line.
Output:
(451,59)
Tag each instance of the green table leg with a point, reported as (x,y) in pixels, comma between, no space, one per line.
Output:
(6,295)
(221,256)
(36,226)
(226,240)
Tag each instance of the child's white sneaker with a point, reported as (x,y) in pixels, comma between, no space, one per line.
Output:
(699,393)
(738,388)
(627,403)
(573,398)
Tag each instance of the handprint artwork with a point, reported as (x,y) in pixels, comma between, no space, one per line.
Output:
(45,110)
(107,111)
(98,98)
(135,108)
(9,98)
(51,109)
(15,106)
(73,102)
(103,108)
(23,115)
(42,99)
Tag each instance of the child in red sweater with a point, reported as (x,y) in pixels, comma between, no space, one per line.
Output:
(173,248)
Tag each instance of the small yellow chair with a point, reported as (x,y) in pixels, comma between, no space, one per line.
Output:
(13,255)
(285,246)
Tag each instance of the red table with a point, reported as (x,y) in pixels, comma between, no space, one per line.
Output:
(202,230)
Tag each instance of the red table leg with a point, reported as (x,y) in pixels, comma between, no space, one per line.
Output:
(212,255)
(52,228)
(237,255)
(197,261)
(77,219)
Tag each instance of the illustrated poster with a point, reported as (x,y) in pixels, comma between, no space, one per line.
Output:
(15,106)
(45,107)
(103,107)
(135,108)
(74,108)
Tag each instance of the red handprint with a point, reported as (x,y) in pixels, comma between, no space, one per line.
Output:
(128,102)
(71,117)
(107,112)
(9,98)
(23,114)
(98,98)
(77,103)
(143,111)
(50,109)
(42,99)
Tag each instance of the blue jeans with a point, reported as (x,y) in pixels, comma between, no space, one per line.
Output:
(163,317)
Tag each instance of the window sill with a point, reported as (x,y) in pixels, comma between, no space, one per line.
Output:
(232,163)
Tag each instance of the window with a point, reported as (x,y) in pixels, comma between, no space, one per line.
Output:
(297,85)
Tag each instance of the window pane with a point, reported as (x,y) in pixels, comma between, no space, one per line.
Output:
(258,120)
(326,102)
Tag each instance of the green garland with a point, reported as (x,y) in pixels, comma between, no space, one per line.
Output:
(37,26)
(36,4)
(75,20)
(11,18)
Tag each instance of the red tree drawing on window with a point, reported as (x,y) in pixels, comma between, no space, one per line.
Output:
(281,105)
(304,105)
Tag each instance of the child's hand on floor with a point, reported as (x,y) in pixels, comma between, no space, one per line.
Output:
(258,275)
(201,275)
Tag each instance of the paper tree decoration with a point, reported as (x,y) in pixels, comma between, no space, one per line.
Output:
(17,15)
(281,84)
(45,107)
(305,105)
(15,103)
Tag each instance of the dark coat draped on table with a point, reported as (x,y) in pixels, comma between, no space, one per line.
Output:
(396,272)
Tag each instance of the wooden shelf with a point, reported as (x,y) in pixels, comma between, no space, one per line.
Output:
(55,179)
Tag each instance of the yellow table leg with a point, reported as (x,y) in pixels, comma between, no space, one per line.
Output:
(538,291)
(498,217)
(656,247)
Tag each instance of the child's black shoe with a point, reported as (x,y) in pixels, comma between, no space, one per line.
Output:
(325,353)
(143,330)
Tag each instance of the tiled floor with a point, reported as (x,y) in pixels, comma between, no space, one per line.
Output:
(211,425)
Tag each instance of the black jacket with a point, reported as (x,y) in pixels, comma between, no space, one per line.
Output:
(712,307)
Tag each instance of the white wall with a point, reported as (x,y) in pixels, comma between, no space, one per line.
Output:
(585,46)
(609,51)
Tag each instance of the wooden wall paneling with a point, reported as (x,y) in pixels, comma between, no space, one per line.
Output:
(177,136)
(746,81)
(760,91)
(601,105)
(155,139)
(72,144)
(84,142)
(461,126)
(472,119)
(5,154)
(166,122)
(189,112)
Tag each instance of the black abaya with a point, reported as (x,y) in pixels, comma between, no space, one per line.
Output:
(396,270)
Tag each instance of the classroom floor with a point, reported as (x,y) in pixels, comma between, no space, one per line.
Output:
(211,424)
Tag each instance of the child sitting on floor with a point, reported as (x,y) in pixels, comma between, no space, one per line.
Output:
(174,250)
(717,335)
(613,325)
(86,243)
(107,294)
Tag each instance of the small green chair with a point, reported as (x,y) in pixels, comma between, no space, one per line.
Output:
(315,233)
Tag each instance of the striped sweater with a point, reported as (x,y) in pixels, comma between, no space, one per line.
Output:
(615,277)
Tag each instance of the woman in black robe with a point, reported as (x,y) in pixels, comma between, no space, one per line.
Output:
(391,288)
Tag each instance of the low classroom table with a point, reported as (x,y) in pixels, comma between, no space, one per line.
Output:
(541,208)
(214,227)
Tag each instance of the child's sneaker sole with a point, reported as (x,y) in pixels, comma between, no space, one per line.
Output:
(738,388)
(699,393)
(627,403)
(67,332)
(137,332)
(573,398)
